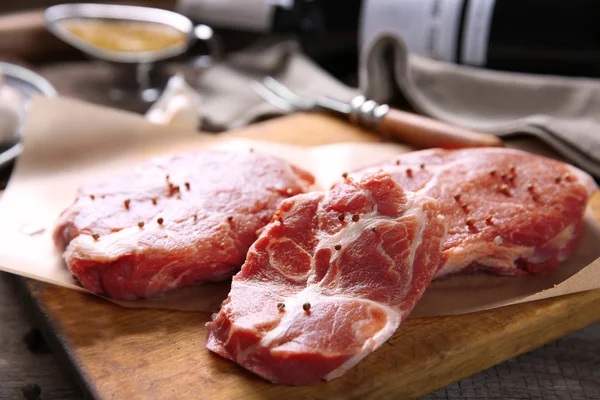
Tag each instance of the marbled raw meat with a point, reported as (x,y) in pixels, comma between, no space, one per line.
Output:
(174,222)
(329,280)
(509,212)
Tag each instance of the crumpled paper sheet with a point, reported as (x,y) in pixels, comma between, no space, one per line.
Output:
(69,143)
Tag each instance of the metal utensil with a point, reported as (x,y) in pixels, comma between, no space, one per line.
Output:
(28,83)
(138,77)
(55,15)
(409,128)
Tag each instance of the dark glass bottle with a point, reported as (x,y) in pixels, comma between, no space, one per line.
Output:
(538,36)
(546,36)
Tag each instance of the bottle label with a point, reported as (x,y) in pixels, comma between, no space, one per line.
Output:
(427,27)
(431,27)
(476,32)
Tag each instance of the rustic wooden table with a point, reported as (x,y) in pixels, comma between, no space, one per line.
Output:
(568,368)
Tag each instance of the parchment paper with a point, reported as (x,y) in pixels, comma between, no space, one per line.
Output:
(68,143)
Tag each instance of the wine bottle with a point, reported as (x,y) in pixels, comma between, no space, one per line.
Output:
(545,36)
(538,36)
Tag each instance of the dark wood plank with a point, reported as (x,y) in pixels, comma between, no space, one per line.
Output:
(24,357)
(566,369)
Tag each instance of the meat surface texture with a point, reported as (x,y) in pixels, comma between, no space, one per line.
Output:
(329,280)
(173,222)
(508,211)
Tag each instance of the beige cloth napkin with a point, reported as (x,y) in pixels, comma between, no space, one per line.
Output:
(563,112)
(228,99)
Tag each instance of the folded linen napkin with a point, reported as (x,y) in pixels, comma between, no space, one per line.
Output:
(563,112)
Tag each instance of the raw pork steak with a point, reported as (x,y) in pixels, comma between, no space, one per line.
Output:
(177,221)
(508,211)
(329,280)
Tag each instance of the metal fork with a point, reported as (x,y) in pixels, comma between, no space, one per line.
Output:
(409,128)
(361,111)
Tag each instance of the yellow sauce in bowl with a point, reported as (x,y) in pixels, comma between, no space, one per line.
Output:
(125,36)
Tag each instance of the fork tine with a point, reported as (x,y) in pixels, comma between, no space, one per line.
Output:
(272,97)
(286,93)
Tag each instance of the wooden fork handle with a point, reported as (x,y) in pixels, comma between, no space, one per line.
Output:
(425,132)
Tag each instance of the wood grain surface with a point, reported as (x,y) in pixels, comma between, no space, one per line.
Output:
(139,354)
(25,360)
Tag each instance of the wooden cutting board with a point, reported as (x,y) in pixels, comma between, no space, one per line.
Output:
(119,353)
